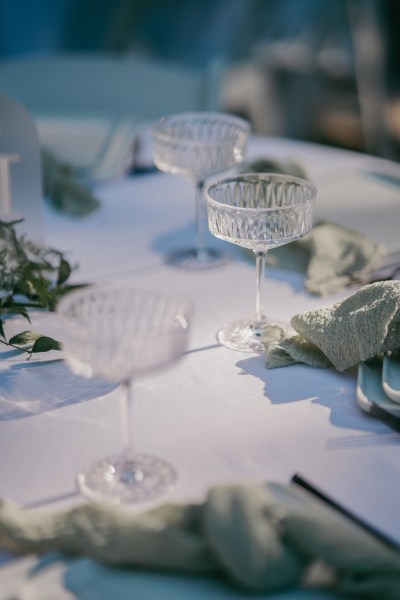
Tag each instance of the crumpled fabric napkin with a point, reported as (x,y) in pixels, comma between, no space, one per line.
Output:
(332,257)
(263,164)
(64,190)
(264,538)
(353,330)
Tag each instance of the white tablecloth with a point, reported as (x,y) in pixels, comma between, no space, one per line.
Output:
(218,416)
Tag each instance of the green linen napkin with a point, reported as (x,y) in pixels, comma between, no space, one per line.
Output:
(332,257)
(64,190)
(263,164)
(263,538)
(356,329)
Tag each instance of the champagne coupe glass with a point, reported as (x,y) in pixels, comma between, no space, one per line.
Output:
(196,146)
(259,212)
(118,332)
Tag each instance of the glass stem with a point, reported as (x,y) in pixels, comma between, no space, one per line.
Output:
(127,389)
(260,271)
(200,216)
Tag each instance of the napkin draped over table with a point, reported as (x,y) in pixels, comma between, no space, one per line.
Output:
(332,257)
(264,538)
(356,329)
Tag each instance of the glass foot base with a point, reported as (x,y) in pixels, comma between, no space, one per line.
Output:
(197,259)
(124,480)
(250,335)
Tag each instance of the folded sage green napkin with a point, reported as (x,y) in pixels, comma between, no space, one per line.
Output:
(263,164)
(356,329)
(332,257)
(63,190)
(263,538)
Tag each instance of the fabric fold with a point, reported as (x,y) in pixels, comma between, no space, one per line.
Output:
(356,329)
(262,537)
(331,256)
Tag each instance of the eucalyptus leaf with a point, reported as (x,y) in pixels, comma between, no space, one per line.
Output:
(64,271)
(15,309)
(44,344)
(24,338)
(31,277)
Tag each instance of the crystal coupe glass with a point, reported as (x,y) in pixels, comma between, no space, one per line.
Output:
(117,332)
(259,212)
(196,146)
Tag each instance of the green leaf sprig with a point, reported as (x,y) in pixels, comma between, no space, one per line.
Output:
(30,277)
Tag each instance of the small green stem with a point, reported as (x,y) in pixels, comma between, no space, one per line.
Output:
(16,347)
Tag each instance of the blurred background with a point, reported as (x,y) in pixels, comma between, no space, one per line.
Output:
(319,70)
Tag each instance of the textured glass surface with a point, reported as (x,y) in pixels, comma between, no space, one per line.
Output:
(260,211)
(199,144)
(118,331)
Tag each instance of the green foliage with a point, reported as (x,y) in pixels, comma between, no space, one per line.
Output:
(30,277)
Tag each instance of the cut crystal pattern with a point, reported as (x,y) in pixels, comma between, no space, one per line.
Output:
(260,211)
(199,144)
(117,331)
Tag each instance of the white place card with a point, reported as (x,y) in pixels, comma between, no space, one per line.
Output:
(20,169)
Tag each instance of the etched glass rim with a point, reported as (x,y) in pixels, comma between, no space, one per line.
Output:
(187,306)
(159,134)
(309,188)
